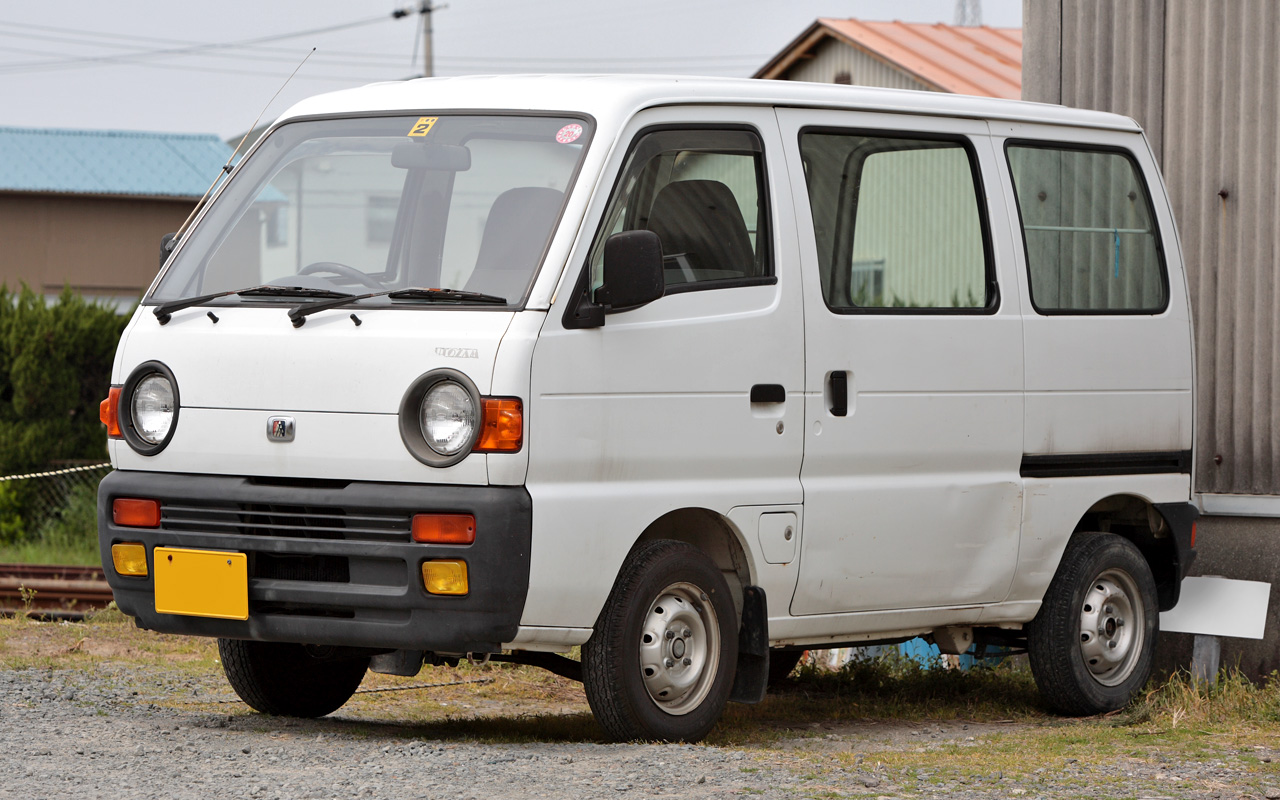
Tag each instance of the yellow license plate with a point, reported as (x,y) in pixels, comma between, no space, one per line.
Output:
(202,583)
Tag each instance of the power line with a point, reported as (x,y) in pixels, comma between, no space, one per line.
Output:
(71,63)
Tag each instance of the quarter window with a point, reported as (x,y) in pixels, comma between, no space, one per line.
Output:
(702,192)
(897,221)
(1090,235)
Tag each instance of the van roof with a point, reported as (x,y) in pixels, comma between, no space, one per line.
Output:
(616,96)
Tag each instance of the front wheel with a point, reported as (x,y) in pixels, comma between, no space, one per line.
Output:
(1091,644)
(661,661)
(286,680)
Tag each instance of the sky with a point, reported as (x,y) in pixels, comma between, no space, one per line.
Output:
(170,65)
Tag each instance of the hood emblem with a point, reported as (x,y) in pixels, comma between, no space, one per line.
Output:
(280,429)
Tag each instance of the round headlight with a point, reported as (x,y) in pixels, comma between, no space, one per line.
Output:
(448,418)
(153,408)
(149,408)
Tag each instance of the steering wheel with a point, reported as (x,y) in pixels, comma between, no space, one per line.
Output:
(343,270)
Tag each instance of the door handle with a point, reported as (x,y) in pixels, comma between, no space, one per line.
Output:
(768,393)
(839,383)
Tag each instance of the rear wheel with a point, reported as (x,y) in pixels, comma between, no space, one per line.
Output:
(286,680)
(661,661)
(1091,644)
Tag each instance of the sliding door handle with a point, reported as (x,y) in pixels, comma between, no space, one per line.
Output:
(839,385)
(768,393)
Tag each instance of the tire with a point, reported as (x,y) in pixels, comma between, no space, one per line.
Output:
(1091,644)
(285,680)
(661,662)
(781,664)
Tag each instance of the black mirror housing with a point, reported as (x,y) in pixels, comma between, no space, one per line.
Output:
(167,243)
(632,270)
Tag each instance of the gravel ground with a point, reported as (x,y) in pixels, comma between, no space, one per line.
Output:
(107,733)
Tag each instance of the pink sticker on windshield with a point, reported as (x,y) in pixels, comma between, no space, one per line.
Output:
(569,134)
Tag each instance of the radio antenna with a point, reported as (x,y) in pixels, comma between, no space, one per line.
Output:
(226,168)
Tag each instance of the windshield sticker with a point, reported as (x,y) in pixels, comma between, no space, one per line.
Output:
(424,124)
(568,134)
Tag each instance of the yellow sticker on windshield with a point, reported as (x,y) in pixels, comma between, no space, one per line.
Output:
(423,126)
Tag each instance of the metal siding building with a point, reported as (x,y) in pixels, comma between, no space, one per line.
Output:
(1204,81)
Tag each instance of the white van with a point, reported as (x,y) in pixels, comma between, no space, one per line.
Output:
(692,373)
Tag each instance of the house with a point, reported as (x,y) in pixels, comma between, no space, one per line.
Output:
(87,208)
(979,61)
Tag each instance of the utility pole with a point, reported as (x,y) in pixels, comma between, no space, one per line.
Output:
(968,12)
(424,10)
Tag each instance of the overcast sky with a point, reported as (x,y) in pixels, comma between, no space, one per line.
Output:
(167,65)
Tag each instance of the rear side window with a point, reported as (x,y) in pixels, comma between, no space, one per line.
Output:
(898,223)
(1090,235)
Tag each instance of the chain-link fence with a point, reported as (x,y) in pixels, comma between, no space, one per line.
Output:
(43,496)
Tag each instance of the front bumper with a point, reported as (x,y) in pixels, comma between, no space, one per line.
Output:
(331,562)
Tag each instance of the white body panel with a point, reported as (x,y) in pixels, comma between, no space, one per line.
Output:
(907,514)
(651,413)
(921,476)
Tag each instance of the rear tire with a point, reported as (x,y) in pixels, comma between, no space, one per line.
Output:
(661,662)
(285,680)
(1091,644)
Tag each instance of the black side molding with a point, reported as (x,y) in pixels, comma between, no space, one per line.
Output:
(1076,465)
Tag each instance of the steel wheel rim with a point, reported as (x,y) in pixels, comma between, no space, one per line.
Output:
(679,648)
(1112,627)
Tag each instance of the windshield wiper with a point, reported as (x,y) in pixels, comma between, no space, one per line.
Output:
(164,311)
(299,314)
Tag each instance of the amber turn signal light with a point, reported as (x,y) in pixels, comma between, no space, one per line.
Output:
(128,512)
(444,528)
(109,413)
(130,558)
(445,577)
(501,425)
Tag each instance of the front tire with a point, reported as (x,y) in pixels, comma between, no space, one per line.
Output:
(661,662)
(1091,645)
(287,681)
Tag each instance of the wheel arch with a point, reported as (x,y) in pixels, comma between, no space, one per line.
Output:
(1151,529)
(713,534)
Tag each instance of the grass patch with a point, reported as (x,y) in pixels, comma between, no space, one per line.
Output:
(69,536)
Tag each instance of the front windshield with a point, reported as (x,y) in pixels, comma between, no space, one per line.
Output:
(375,204)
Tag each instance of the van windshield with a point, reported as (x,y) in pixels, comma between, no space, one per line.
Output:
(367,205)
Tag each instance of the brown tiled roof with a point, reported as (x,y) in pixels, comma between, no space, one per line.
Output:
(965,60)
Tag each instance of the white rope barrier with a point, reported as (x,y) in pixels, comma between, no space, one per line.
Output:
(54,473)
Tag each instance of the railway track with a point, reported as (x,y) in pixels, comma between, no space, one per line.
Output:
(53,589)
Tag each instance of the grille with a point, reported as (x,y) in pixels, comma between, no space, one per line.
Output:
(309,522)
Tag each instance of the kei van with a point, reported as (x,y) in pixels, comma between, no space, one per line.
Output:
(692,373)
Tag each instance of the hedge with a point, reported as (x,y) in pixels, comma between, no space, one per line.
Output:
(55,368)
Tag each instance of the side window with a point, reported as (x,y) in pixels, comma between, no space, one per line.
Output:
(1091,238)
(898,223)
(702,192)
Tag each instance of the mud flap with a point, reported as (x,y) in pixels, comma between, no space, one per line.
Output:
(753,649)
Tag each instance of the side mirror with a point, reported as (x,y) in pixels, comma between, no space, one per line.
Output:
(167,243)
(632,270)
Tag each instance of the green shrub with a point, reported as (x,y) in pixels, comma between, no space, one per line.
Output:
(55,368)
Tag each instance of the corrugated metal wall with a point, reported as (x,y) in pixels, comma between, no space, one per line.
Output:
(1204,80)
(832,58)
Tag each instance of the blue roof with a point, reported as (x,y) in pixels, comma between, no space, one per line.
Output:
(109,162)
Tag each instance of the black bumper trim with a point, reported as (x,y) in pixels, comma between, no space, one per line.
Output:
(381,603)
